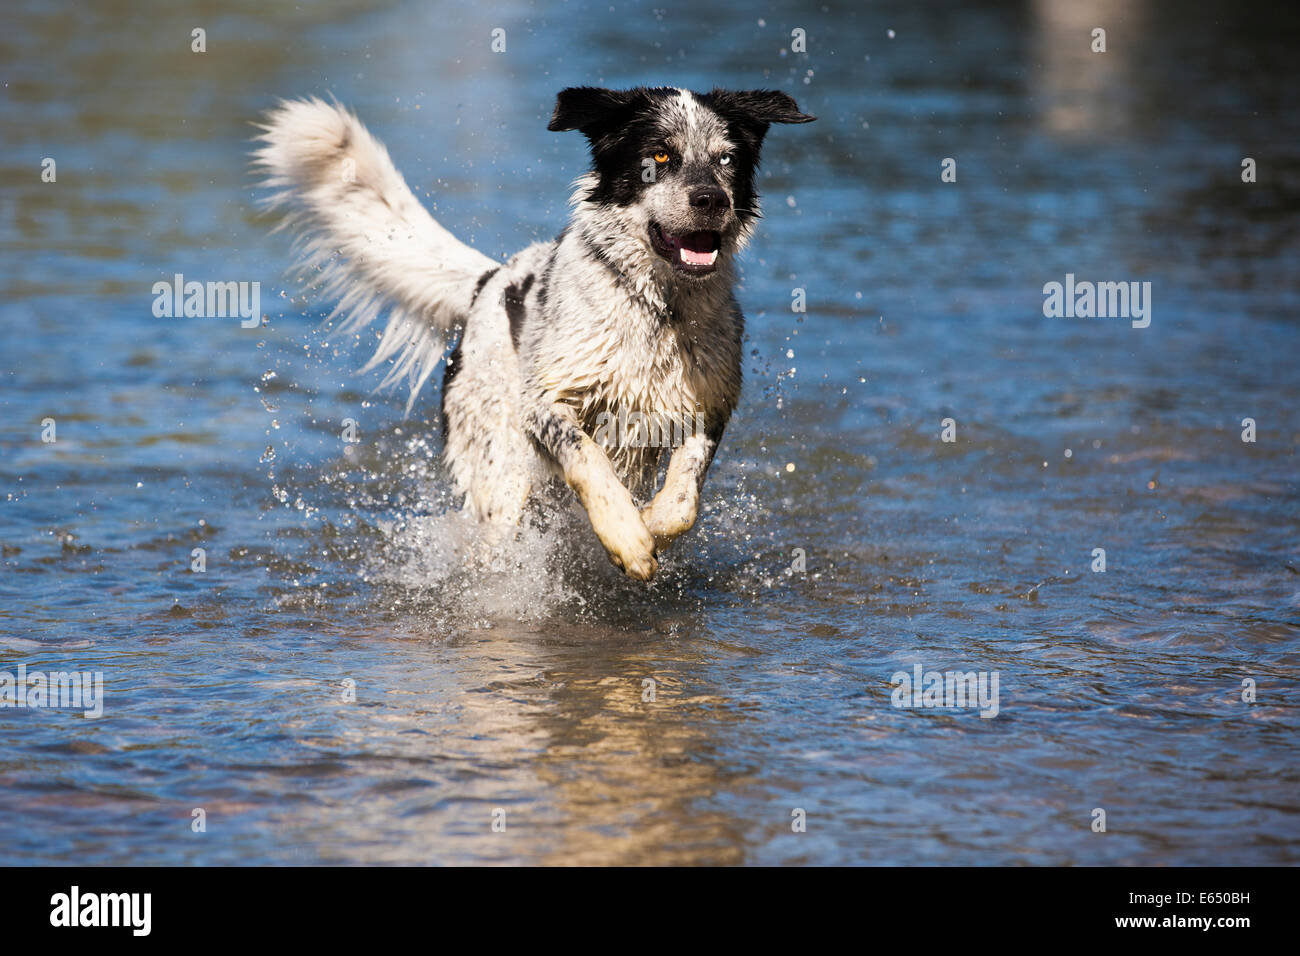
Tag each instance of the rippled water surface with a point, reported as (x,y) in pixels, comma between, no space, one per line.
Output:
(337,569)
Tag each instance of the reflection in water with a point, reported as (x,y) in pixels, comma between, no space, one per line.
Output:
(635,776)
(1083,92)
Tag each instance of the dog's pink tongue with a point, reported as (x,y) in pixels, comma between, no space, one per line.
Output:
(693,258)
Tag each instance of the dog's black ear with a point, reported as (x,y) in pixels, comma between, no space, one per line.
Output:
(587,107)
(761,107)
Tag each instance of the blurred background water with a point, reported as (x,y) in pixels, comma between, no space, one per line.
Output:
(520,687)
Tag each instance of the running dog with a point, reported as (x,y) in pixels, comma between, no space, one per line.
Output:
(628,317)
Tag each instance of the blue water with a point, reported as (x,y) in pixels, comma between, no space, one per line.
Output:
(335,569)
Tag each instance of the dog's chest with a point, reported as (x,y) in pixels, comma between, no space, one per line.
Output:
(648,365)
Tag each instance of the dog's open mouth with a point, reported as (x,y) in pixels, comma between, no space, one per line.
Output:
(693,252)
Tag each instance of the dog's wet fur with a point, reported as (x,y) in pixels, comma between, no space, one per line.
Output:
(630,310)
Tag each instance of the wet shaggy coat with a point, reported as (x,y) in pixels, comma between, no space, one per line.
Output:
(628,312)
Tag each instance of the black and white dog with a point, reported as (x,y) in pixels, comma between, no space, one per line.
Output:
(589,357)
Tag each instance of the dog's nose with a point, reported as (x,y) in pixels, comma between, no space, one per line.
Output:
(709,199)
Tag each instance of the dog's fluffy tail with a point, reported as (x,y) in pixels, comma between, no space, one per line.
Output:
(370,243)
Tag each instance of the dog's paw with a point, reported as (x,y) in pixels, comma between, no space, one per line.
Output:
(667,520)
(641,568)
(629,544)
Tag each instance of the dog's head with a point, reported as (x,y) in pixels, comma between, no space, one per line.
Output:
(675,169)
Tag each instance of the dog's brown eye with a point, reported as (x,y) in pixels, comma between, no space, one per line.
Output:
(661,157)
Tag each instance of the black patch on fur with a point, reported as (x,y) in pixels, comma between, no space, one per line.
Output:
(759,107)
(449,369)
(748,115)
(556,438)
(482,281)
(515,309)
(597,253)
(625,126)
(591,108)
(545,287)
(622,126)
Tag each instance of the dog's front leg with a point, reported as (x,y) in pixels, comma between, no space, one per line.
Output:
(608,503)
(675,507)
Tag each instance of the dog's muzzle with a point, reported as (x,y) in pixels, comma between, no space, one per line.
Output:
(695,252)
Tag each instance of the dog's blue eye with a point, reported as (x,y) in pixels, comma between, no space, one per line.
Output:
(724,159)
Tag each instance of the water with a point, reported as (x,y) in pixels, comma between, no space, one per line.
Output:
(337,569)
